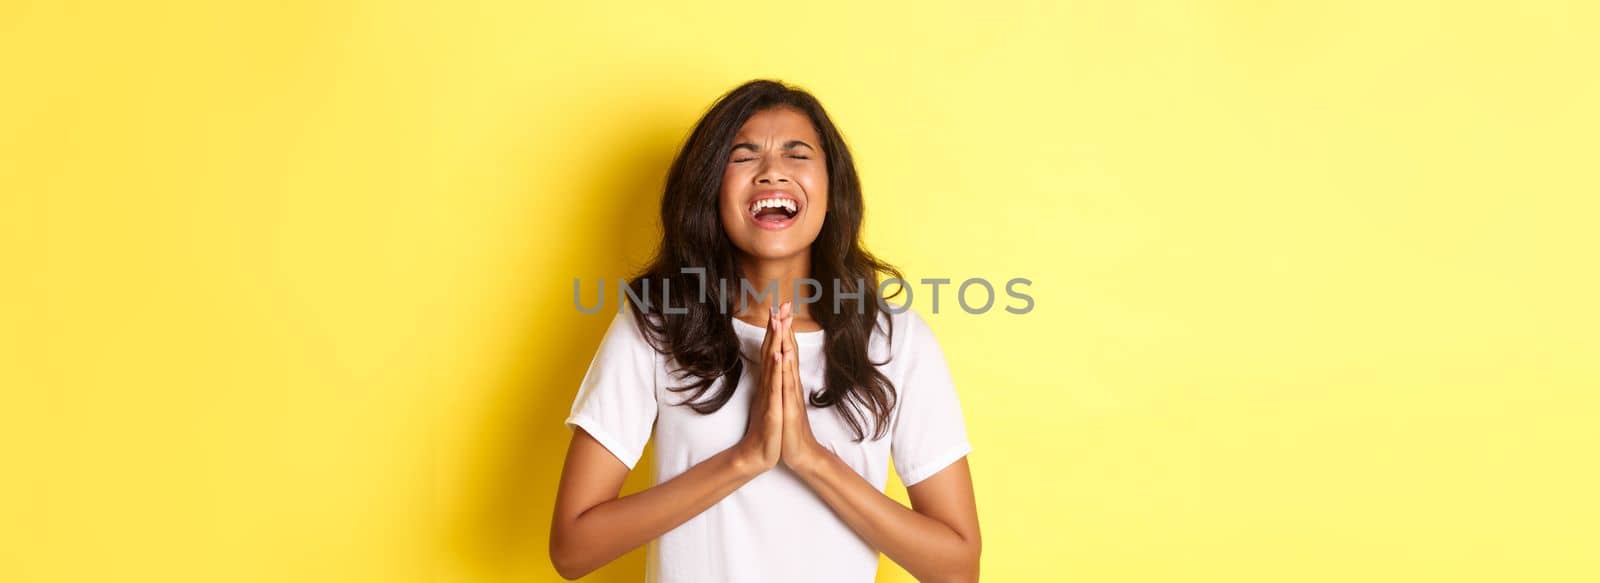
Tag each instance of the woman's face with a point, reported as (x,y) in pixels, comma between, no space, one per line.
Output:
(775,185)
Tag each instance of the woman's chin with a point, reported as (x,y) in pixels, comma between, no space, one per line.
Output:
(769,248)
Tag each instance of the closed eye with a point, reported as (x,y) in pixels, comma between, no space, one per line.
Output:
(795,156)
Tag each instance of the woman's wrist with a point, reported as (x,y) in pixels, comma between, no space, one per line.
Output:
(746,458)
(807,459)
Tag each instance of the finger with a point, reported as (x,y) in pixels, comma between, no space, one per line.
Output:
(774,380)
(791,382)
(788,332)
(773,343)
(778,331)
(788,320)
(766,341)
(765,390)
(788,337)
(778,392)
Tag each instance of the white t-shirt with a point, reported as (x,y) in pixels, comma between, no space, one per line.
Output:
(773,528)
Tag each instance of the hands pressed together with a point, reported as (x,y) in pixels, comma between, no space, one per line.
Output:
(779,429)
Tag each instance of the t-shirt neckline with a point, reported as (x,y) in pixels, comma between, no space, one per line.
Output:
(758,333)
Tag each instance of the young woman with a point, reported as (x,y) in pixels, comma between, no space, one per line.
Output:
(774,419)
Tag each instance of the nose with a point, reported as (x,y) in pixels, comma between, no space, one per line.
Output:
(771,174)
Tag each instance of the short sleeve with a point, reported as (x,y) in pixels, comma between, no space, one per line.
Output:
(616,402)
(929,433)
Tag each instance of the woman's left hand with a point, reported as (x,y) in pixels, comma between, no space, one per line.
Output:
(800,446)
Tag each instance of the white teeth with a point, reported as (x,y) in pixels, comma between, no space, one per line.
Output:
(785,203)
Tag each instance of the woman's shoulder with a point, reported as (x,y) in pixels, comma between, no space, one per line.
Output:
(626,334)
(902,329)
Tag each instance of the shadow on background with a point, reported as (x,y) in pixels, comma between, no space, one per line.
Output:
(503,530)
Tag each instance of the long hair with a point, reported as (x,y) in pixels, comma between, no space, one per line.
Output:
(702,340)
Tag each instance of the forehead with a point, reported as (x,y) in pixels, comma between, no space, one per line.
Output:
(777,124)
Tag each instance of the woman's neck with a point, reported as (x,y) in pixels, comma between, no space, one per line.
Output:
(774,280)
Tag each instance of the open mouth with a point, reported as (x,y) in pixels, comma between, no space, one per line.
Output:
(774,212)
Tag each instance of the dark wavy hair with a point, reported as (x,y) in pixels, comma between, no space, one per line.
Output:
(702,341)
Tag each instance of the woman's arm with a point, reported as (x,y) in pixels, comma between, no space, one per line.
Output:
(935,540)
(592,526)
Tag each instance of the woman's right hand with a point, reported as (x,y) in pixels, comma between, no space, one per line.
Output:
(763,436)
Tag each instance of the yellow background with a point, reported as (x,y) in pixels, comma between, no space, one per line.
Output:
(288,284)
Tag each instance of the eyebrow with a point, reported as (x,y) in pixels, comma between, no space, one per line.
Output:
(786,145)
